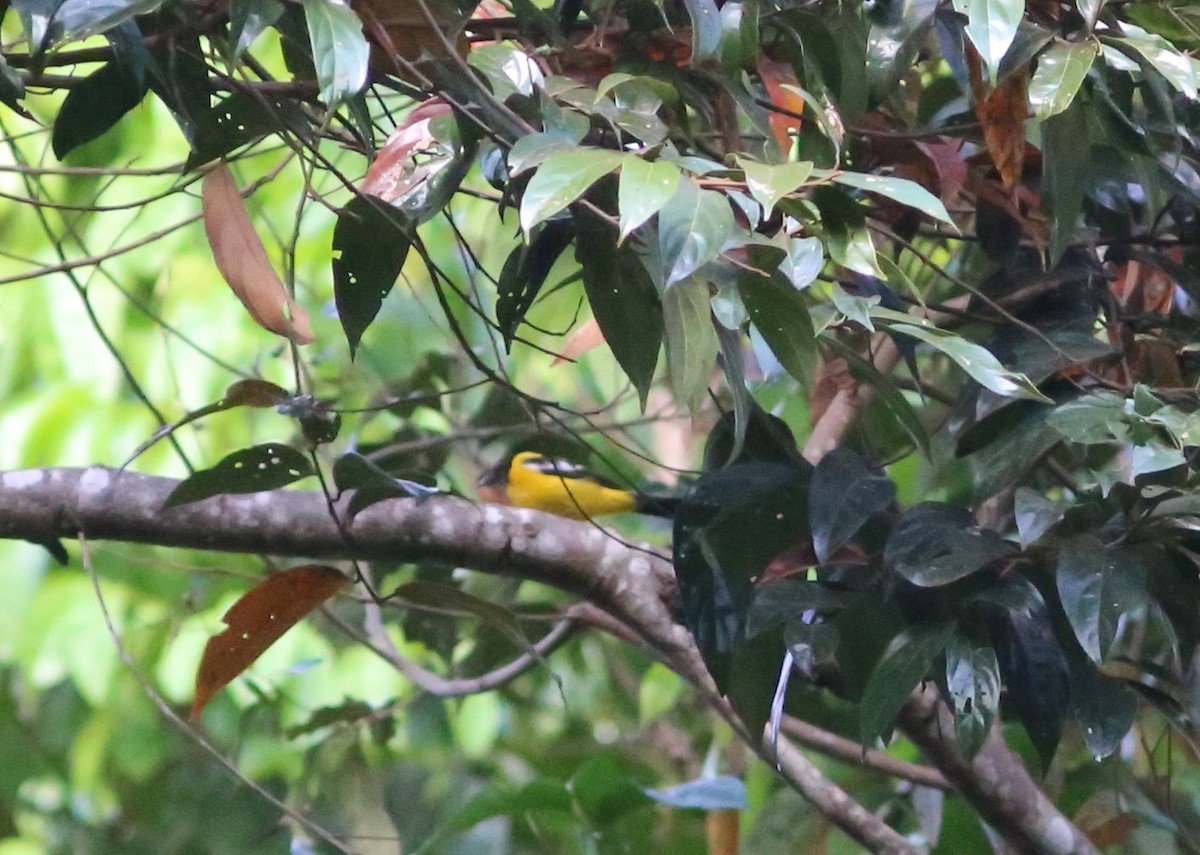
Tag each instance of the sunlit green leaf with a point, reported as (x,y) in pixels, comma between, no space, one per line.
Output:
(644,187)
(340,52)
(561,179)
(768,183)
(991,27)
(1060,72)
(899,190)
(1174,66)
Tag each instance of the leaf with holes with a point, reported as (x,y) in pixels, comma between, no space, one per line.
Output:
(257,620)
(250,470)
(370,243)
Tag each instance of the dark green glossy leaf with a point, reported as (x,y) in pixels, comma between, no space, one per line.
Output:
(728,528)
(1035,515)
(785,600)
(845,493)
(1104,706)
(934,544)
(781,316)
(51,23)
(1034,671)
(12,90)
(898,190)
(1097,585)
(973,692)
(339,50)
(1066,172)
(250,470)
(905,663)
(248,19)
(94,105)
(690,339)
(524,273)
(179,77)
(991,27)
(846,236)
(370,243)
(561,179)
(693,227)
(240,119)
(604,792)
(623,298)
(373,484)
(724,792)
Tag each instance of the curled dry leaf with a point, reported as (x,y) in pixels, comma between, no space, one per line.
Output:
(395,170)
(242,260)
(779,79)
(1002,112)
(257,620)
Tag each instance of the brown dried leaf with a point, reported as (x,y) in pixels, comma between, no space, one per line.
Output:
(1002,113)
(257,620)
(587,337)
(242,260)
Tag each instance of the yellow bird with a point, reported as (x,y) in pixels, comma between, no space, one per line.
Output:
(558,486)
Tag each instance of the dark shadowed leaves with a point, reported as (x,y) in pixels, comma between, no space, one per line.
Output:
(372,484)
(1104,706)
(727,530)
(934,544)
(250,470)
(370,243)
(905,663)
(240,119)
(1097,585)
(781,316)
(525,271)
(604,792)
(845,493)
(623,298)
(94,105)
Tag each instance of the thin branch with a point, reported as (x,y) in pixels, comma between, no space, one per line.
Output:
(849,751)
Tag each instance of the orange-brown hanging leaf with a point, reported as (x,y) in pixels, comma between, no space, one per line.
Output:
(257,620)
(721,831)
(1002,112)
(242,260)
(779,79)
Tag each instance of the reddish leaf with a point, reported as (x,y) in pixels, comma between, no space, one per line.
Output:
(257,620)
(395,171)
(1002,113)
(779,79)
(587,337)
(242,260)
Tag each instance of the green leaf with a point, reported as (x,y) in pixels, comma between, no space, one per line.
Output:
(340,52)
(693,227)
(785,600)
(846,236)
(974,359)
(906,662)
(644,187)
(524,273)
(768,183)
(1067,172)
(991,27)
(706,29)
(724,792)
(508,70)
(780,314)
(248,19)
(804,260)
(1035,515)
(1097,584)
(623,298)
(845,493)
(691,340)
(604,792)
(973,692)
(250,470)
(243,118)
(373,484)
(1105,707)
(1174,66)
(48,23)
(370,243)
(933,544)
(1060,72)
(1032,666)
(12,89)
(900,190)
(561,179)
(94,105)
(1090,419)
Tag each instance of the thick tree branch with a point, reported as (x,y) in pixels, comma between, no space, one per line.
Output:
(634,585)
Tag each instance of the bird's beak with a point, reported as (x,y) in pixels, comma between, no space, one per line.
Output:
(494,476)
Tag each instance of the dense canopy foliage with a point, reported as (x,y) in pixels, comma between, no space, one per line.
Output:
(899,299)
